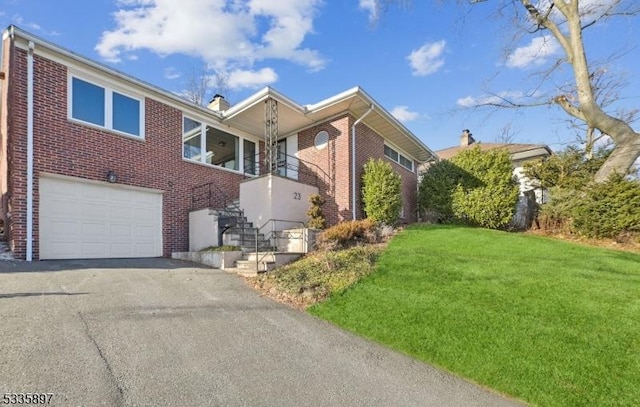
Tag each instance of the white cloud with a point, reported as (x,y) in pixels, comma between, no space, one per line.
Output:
(539,50)
(242,79)
(589,9)
(507,95)
(403,113)
(371,7)
(30,25)
(427,59)
(225,33)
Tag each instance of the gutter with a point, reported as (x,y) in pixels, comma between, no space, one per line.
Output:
(353,160)
(29,254)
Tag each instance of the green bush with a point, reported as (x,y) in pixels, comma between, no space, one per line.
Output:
(580,206)
(316,216)
(566,169)
(476,187)
(436,188)
(381,192)
(223,248)
(609,210)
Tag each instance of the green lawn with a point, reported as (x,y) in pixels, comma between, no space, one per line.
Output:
(549,322)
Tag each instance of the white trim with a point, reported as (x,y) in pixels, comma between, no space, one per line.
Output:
(74,61)
(397,151)
(29,249)
(217,167)
(108,105)
(321,144)
(291,149)
(203,145)
(353,159)
(93,181)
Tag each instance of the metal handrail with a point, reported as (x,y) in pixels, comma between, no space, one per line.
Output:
(307,168)
(270,234)
(204,196)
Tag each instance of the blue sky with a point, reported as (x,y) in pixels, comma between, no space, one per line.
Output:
(424,62)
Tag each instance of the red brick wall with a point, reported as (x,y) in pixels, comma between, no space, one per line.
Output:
(335,161)
(4,124)
(369,144)
(68,148)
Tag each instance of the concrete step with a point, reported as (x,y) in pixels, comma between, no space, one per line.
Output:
(279,258)
(259,267)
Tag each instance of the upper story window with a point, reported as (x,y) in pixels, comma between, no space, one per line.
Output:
(105,107)
(393,155)
(209,145)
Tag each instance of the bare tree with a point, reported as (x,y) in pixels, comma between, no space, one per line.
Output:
(507,134)
(197,87)
(565,21)
(200,86)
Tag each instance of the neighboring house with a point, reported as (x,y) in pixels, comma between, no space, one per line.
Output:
(520,154)
(95,163)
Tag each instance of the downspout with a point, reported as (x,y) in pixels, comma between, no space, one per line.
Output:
(29,256)
(353,160)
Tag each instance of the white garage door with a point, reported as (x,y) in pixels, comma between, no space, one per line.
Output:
(82,220)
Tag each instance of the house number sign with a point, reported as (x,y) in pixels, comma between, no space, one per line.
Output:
(297,196)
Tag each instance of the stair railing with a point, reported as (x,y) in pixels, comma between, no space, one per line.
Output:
(309,172)
(210,195)
(273,234)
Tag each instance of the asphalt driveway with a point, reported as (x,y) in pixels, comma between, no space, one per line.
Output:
(159,332)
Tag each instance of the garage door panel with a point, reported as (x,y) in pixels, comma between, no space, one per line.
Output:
(94,192)
(94,230)
(95,250)
(144,232)
(95,211)
(124,231)
(123,250)
(144,249)
(65,229)
(85,220)
(122,213)
(146,215)
(60,208)
(64,249)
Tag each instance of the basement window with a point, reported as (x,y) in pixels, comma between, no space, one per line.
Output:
(393,155)
(98,105)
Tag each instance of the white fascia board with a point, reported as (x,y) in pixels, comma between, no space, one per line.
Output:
(260,96)
(73,60)
(340,97)
(536,152)
(364,96)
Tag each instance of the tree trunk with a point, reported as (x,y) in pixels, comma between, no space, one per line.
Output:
(622,158)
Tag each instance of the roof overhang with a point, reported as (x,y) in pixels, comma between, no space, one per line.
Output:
(249,116)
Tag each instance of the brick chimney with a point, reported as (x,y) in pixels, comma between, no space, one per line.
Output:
(466,139)
(219,103)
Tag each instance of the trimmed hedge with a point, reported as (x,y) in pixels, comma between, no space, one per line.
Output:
(381,192)
(476,188)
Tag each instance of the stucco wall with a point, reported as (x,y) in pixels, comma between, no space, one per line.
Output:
(274,197)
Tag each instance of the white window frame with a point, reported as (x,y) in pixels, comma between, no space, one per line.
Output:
(413,165)
(203,147)
(108,106)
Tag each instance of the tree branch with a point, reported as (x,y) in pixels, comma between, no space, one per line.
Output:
(568,107)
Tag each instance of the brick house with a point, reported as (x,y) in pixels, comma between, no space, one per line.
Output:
(95,163)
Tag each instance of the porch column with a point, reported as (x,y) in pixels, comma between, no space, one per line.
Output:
(271,135)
